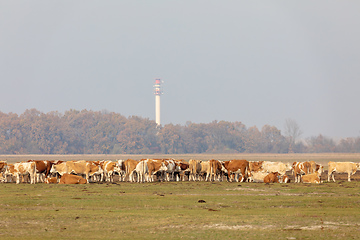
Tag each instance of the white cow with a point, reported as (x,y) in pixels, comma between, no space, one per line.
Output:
(257,177)
(25,168)
(142,171)
(342,167)
(279,167)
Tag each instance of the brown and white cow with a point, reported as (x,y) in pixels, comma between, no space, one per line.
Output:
(299,169)
(122,172)
(22,169)
(51,180)
(342,167)
(109,169)
(42,169)
(236,168)
(181,169)
(195,169)
(272,177)
(72,179)
(156,166)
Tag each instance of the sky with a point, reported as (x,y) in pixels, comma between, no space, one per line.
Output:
(256,62)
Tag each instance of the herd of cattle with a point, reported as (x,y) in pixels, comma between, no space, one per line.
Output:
(150,170)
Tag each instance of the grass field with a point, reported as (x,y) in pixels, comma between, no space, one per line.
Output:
(175,210)
(182,210)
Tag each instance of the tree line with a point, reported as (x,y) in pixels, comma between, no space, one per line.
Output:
(103,132)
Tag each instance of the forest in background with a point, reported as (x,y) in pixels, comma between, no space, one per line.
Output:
(103,132)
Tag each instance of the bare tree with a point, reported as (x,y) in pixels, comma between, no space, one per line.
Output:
(292,132)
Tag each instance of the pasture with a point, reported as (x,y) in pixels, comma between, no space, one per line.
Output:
(188,210)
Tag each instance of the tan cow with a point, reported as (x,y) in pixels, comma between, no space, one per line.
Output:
(72,179)
(236,168)
(205,170)
(83,168)
(130,166)
(279,167)
(311,178)
(195,169)
(22,169)
(342,167)
(59,168)
(272,177)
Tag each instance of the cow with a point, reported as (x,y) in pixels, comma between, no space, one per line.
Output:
(155,166)
(236,167)
(272,177)
(284,179)
(72,179)
(257,176)
(205,170)
(279,167)
(169,172)
(342,167)
(215,170)
(25,168)
(3,165)
(109,169)
(142,171)
(50,180)
(9,173)
(59,169)
(83,168)
(301,168)
(195,169)
(130,166)
(87,169)
(181,169)
(122,172)
(42,169)
(255,166)
(311,178)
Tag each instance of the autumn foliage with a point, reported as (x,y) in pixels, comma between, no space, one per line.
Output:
(103,132)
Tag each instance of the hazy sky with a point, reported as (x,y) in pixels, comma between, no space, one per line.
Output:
(257,62)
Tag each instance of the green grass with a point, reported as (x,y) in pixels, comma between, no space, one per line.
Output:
(173,211)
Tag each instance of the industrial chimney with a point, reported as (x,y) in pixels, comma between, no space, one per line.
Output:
(157,92)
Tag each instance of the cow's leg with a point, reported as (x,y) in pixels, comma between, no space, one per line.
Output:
(17,178)
(333,176)
(349,174)
(329,176)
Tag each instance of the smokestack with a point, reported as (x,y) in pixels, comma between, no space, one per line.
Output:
(157,92)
